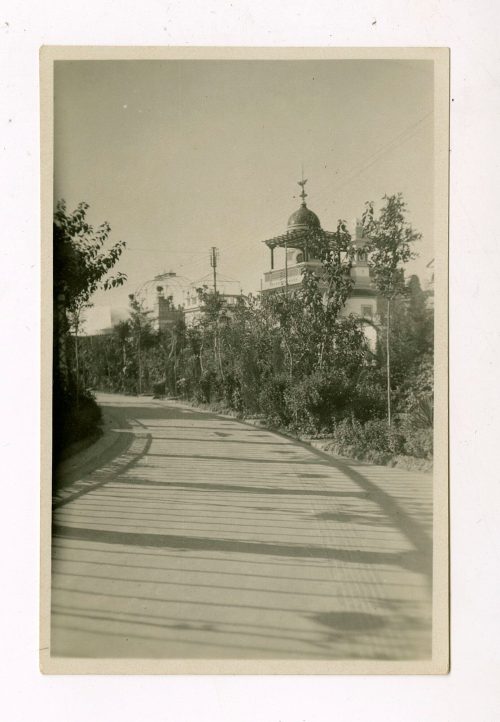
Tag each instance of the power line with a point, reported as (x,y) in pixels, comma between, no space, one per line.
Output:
(401,138)
(153,250)
(395,142)
(398,140)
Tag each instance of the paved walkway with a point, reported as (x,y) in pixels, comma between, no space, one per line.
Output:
(202,537)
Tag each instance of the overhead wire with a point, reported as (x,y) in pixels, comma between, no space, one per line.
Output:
(395,142)
(401,138)
(229,251)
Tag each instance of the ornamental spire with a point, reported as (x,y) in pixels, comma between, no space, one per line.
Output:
(302,184)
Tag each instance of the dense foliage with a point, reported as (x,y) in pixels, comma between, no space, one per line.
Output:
(81,266)
(389,245)
(294,358)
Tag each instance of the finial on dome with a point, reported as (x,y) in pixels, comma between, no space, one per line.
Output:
(302,184)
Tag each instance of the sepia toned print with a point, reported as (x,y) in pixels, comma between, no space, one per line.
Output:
(244,394)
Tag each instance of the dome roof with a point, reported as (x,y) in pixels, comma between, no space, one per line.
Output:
(303,218)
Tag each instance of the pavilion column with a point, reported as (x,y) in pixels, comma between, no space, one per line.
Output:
(272,258)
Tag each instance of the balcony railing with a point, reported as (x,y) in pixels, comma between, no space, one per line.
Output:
(277,279)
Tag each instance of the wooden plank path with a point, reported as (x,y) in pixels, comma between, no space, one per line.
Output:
(209,538)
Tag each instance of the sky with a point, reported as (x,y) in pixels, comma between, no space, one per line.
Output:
(182,155)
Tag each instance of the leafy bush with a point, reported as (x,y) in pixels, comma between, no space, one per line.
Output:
(204,390)
(303,401)
(159,388)
(417,419)
(76,416)
(418,440)
(316,401)
(374,441)
(228,391)
(272,399)
(418,393)
(420,444)
(369,395)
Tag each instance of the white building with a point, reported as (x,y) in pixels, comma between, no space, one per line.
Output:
(228,289)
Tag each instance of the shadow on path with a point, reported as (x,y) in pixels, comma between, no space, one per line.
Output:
(210,486)
(407,560)
(147,409)
(387,503)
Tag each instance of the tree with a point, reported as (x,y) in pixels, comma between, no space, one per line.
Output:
(411,334)
(122,333)
(325,295)
(214,313)
(141,333)
(172,341)
(322,350)
(389,247)
(81,267)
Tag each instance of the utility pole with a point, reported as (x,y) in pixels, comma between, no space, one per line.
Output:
(214,255)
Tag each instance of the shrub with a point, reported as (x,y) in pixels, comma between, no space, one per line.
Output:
(417,441)
(372,441)
(418,395)
(318,400)
(204,389)
(369,396)
(416,421)
(76,416)
(159,388)
(377,435)
(227,390)
(272,399)
(347,432)
(303,401)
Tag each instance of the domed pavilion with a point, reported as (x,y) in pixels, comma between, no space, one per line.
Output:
(297,254)
(294,241)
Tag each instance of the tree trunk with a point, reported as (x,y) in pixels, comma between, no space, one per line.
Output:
(200,356)
(320,363)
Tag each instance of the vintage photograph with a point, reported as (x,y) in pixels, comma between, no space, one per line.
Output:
(245,360)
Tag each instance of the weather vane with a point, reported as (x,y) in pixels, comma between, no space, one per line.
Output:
(302,184)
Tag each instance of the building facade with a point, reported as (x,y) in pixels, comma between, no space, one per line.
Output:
(228,290)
